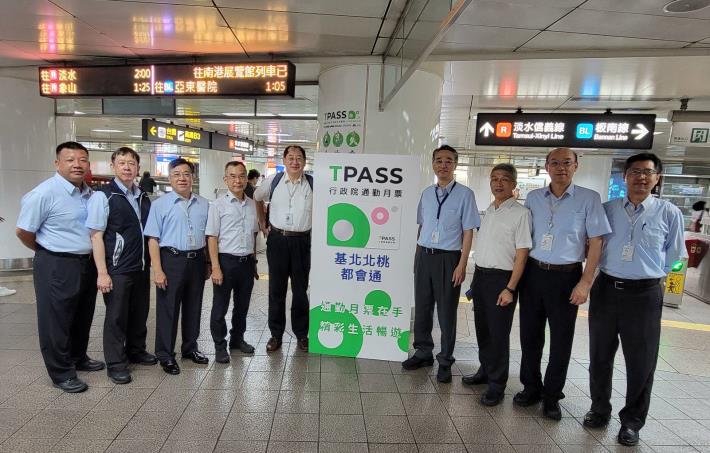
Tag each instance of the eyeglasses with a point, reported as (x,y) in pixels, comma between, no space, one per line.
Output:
(640,171)
(233,177)
(181,175)
(565,163)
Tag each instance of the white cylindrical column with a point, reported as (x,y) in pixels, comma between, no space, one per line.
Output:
(212,171)
(594,173)
(409,124)
(26,158)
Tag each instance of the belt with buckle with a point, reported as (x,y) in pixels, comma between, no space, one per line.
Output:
(432,251)
(556,267)
(625,283)
(290,233)
(189,254)
(81,256)
(238,258)
(491,270)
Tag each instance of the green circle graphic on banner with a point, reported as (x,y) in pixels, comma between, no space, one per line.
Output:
(326,140)
(348,226)
(403,341)
(337,139)
(378,299)
(353,139)
(351,343)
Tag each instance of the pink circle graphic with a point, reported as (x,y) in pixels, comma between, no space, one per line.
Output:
(380,215)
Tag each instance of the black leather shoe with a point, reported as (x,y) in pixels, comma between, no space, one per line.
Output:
(475,379)
(120,377)
(170,366)
(72,385)
(628,436)
(414,363)
(551,409)
(221,356)
(491,399)
(197,357)
(527,398)
(273,345)
(143,358)
(244,347)
(444,374)
(89,364)
(595,420)
(303,344)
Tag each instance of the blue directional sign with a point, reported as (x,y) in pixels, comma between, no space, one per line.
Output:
(574,130)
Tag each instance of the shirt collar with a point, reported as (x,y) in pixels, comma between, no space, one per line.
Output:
(177,197)
(135,192)
(70,188)
(288,180)
(569,190)
(231,198)
(647,203)
(448,187)
(506,204)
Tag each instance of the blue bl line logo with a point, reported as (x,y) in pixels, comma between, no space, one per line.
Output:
(585,131)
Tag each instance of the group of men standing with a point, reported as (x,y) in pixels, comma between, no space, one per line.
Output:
(537,251)
(109,239)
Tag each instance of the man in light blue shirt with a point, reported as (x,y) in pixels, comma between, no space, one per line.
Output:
(627,295)
(447,214)
(51,222)
(564,218)
(176,228)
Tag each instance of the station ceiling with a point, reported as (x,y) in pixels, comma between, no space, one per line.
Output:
(542,55)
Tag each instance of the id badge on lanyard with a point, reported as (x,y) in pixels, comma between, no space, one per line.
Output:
(440,202)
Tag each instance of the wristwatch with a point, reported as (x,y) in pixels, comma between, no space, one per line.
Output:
(511,291)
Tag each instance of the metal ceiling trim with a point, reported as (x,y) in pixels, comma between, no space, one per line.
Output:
(444,27)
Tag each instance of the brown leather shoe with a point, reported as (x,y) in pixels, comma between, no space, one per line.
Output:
(303,344)
(273,344)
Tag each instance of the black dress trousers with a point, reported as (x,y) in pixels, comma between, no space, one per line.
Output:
(288,257)
(238,282)
(433,286)
(65,287)
(493,324)
(545,298)
(127,307)
(186,283)
(634,316)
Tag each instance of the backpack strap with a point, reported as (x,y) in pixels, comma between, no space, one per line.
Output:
(279,176)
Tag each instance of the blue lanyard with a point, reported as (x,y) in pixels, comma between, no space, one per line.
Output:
(441,202)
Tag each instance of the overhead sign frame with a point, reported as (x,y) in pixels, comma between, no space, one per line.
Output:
(160,132)
(573,130)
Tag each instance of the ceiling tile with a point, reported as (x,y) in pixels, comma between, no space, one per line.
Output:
(360,8)
(633,25)
(59,51)
(472,38)
(510,14)
(646,7)
(550,40)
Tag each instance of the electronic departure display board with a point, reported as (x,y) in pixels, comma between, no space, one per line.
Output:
(271,79)
(223,142)
(574,130)
(156,131)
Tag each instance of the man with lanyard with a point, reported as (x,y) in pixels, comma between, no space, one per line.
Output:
(231,232)
(627,295)
(288,246)
(51,222)
(176,228)
(564,217)
(117,215)
(447,215)
(502,247)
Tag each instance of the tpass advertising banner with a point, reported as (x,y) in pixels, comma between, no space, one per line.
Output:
(341,113)
(364,239)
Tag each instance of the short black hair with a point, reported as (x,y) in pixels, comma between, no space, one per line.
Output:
(71,145)
(122,151)
(298,147)
(445,148)
(180,161)
(699,206)
(146,174)
(234,163)
(657,164)
(508,168)
(253,173)
(576,158)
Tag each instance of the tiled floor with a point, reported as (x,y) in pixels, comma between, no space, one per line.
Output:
(295,402)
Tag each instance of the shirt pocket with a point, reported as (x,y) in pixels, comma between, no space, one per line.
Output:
(572,223)
(450,219)
(653,236)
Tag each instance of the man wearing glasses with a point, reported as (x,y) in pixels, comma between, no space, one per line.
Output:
(627,295)
(176,228)
(564,218)
(288,246)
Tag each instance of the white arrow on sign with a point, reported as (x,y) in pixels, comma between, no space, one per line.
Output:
(486,129)
(640,132)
